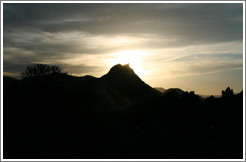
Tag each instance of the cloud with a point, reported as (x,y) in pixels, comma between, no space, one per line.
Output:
(195,60)
(201,68)
(82,69)
(194,67)
(183,39)
(204,22)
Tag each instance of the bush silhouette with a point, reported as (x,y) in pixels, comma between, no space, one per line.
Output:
(55,115)
(40,70)
(227,93)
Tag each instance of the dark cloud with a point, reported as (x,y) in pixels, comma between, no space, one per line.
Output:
(204,22)
(46,32)
(80,69)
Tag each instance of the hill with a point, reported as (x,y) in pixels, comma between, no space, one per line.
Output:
(160,89)
(123,79)
(8,81)
(116,116)
(174,90)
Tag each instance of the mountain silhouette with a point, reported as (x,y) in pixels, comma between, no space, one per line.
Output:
(160,89)
(119,88)
(121,70)
(123,79)
(8,81)
(116,116)
(174,90)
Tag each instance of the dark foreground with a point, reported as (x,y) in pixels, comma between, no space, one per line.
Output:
(117,116)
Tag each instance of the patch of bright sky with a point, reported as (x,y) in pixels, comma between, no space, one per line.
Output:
(165,66)
(205,84)
(189,46)
(135,58)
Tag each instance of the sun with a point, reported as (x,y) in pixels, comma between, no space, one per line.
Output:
(134,58)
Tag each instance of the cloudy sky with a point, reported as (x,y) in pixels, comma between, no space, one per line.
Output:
(192,46)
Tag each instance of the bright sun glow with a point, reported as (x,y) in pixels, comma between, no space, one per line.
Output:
(133,57)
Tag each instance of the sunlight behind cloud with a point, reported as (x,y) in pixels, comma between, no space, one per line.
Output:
(162,48)
(135,58)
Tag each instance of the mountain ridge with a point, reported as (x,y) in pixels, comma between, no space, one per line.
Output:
(116,116)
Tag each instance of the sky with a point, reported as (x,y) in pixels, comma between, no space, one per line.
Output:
(193,46)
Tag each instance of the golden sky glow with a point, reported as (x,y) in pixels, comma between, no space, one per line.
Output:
(189,46)
(135,58)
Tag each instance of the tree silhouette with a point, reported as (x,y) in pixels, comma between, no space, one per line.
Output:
(40,70)
(228,92)
(87,117)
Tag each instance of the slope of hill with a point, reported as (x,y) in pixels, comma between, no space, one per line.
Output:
(119,88)
(8,81)
(116,116)
(160,89)
(174,90)
(122,78)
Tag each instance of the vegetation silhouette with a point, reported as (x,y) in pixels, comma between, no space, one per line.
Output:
(40,70)
(52,115)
